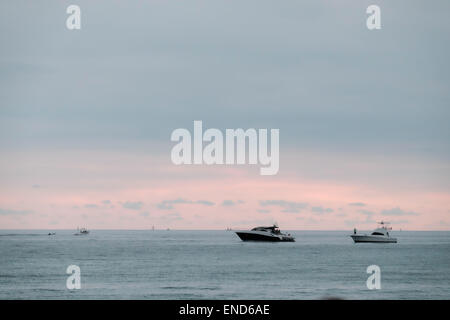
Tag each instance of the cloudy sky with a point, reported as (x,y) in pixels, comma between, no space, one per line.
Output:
(86,115)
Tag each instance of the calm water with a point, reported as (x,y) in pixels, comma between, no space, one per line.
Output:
(217,265)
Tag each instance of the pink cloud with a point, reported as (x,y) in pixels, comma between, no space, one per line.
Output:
(73,187)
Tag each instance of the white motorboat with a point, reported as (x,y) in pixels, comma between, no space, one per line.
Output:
(379,235)
(272,234)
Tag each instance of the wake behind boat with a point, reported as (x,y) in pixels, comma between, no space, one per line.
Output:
(272,234)
(379,235)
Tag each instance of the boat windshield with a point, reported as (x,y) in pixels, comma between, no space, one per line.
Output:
(269,229)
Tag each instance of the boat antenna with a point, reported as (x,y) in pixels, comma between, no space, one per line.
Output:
(385,225)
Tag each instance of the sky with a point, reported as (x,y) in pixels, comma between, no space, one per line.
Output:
(86,115)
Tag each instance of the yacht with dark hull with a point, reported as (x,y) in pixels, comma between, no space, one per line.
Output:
(270,234)
(81,232)
(379,235)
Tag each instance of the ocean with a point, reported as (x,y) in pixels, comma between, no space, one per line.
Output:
(175,264)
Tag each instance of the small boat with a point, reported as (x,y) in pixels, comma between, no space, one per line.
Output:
(272,234)
(379,235)
(81,231)
(52,233)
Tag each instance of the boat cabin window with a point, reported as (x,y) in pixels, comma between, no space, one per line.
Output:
(260,229)
(377,234)
(268,229)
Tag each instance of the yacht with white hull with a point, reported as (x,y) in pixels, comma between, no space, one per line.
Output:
(271,234)
(379,235)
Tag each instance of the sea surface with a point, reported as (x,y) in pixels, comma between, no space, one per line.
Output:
(176,264)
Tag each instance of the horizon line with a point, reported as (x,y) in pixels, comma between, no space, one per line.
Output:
(171,229)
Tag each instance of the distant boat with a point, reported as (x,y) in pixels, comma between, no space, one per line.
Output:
(52,233)
(379,235)
(272,234)
(81,231)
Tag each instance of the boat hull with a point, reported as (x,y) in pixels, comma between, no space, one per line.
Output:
(372,239)
(257,236)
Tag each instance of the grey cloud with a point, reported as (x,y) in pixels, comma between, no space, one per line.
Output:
(132,205)
(288,206)
(398,212)
(14,212)
(106,202)
(321,210)
(169,204)
(226,203)
(205,202)
(90,206)
(357,204)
